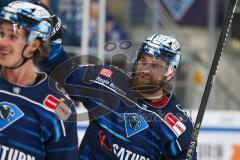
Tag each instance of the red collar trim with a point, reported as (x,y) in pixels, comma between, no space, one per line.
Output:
(159,104)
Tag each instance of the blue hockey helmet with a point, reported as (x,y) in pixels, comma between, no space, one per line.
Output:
(58,28)
(163,47)
(35,19)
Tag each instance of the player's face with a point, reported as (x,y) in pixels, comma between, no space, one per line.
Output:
(12,41)
(149,72)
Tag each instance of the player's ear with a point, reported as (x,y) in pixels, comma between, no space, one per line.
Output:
(170,73)
(32,47)
(35,45)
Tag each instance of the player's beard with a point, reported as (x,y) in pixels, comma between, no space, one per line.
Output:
(147,85)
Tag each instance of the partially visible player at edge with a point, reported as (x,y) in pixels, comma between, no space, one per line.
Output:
(29,129)
(155,128)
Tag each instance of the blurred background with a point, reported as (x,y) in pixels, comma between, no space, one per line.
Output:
(113,30)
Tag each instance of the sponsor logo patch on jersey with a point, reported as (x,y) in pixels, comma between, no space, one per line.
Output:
(63,111)
(9,113)
(51,102)
(134,123)
(175,123)
(106,72)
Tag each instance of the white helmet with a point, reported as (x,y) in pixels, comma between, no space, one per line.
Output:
(31,17)
(163,47)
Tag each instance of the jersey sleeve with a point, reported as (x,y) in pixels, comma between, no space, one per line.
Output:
(77,85)
(60,137)
(177,148)
(176,145)
(48,65)
(63,143)
(82,84)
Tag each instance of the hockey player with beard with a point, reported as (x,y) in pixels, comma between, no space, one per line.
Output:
(139,118)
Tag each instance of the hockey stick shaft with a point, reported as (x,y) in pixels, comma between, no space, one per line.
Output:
(221,43)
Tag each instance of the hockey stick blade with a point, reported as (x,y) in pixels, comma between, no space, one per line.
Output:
(221,43)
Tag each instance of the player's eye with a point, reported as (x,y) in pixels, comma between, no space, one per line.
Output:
(13,37)
(157,66)
(1,34)
(141,63)
(154,65)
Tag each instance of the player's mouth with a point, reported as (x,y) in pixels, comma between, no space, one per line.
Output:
(143,77)
(4,53)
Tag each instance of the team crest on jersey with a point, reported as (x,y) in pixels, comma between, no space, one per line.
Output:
(134,123)
(9,113)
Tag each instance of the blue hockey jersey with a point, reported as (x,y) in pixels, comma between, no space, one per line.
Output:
(123,126)
(29,129)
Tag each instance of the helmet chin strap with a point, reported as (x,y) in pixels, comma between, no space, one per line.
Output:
(24,60)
